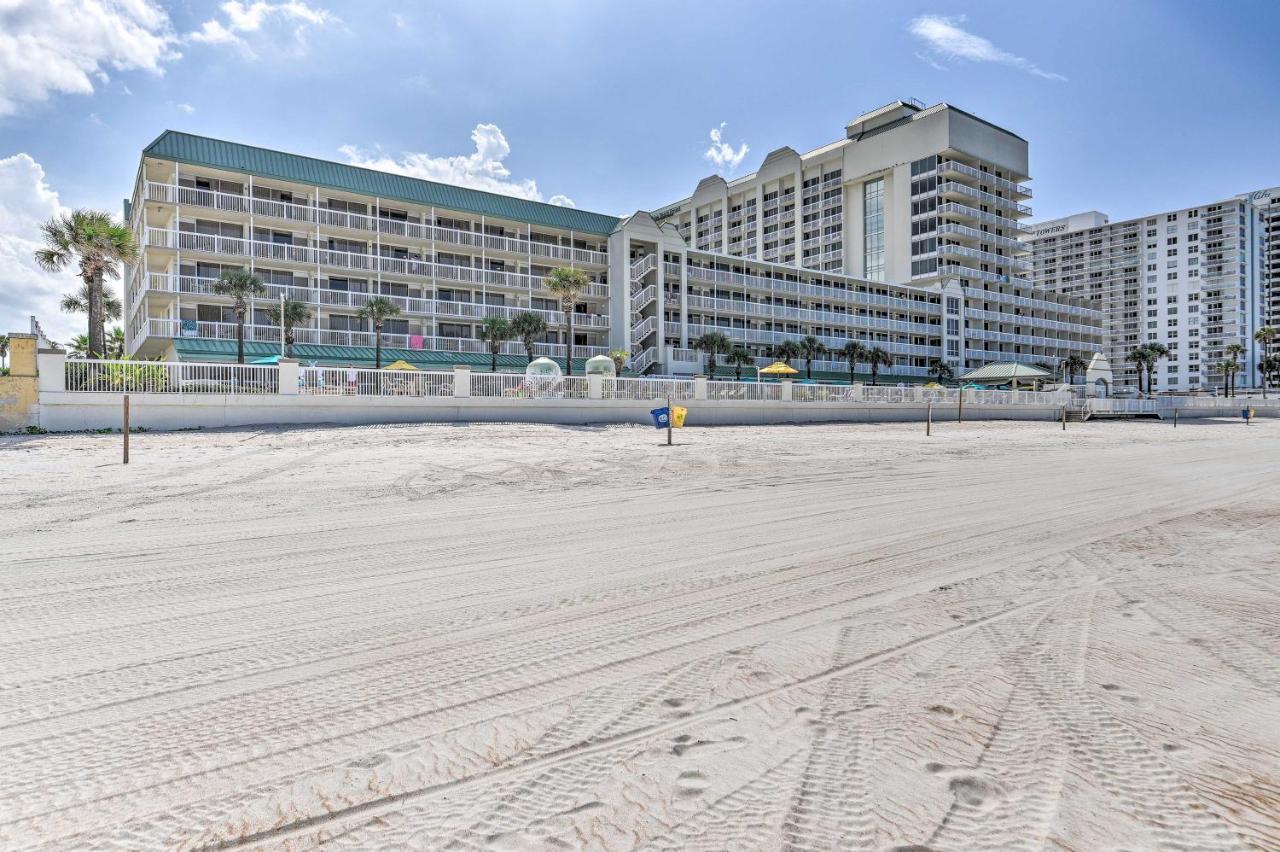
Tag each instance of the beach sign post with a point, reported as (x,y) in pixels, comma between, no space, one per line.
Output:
(126,428)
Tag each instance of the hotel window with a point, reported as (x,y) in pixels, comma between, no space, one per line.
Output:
(873,230)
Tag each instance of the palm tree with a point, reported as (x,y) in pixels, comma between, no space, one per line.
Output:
(1234,351)
(495,331)
(378,310)
(877,358)
(4,349)
(619,358)
(811,347)
(1158,351)
(853,351)
(98,246)
(1269,367)
(115,343)
(1073,365)
(1139,356)
(567,285)
(712,343)
(1229,367)
(78,303)
(241,285)
(295,314)
(785,351)
(78,347)
(941,370)
(528,326)
(1263,338)
(739,358)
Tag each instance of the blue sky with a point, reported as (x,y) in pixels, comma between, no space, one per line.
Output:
(1129,107)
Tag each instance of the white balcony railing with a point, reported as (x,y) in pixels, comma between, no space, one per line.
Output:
(171,328)
(303,213)
(409,267)
(326,298)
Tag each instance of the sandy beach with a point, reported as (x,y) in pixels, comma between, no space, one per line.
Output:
(507,637)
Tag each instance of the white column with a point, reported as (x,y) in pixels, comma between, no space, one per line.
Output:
(289,376)
(461,381)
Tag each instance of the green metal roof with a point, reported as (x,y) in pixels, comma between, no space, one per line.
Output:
(202,349)
(1001,372)
(215,153)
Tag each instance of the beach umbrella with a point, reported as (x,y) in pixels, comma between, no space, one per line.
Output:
(270,359)
(400,365)
(778,368)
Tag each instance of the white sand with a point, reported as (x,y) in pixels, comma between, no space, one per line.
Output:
(521,637)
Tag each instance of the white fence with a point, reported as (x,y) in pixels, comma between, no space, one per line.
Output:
(170,377)
(314,381)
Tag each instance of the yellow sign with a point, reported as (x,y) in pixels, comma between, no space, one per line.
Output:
(677,416)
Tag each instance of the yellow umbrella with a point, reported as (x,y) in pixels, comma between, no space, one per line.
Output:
(400,365)
(779,368)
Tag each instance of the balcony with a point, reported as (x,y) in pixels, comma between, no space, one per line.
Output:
(953,188)
(170,328)
(986,177)
(948,229)
(980,256)
(321,297)
(239,247)
(811,315)
(167,193)
(964,211)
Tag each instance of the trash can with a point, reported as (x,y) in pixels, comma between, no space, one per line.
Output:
(677,416)
(1244,414)
(660,417)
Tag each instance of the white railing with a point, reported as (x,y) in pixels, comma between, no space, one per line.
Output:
(643,265)
(643,297)
(158,327)
(752,391)
(643,329)
(645,360)
(206,378)
(316,381)
(986,197)
(313,256)
(170,377)
(1003,183)
(167,283)
(642,388)
(230,202)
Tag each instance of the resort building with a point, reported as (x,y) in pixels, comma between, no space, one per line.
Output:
(333,235)
(1267,201)
(1191,279)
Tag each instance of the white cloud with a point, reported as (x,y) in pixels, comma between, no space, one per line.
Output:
(946,40)
(52,47)
(723,155)
(246,19)
(187,108)
(561,201)
(481,169)
(26,202)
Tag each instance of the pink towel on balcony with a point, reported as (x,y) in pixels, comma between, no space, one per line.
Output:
(415,341)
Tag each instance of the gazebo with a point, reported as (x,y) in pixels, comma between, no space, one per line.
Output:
(1006,373)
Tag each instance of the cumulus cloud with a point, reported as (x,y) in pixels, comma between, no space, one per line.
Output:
(241,21)
(721,154)
(945,39)
(27,201)
(52,47)
(481,169)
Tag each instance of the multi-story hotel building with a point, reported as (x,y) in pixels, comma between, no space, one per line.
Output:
(1191,279)
(333,235)
(1267,201)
